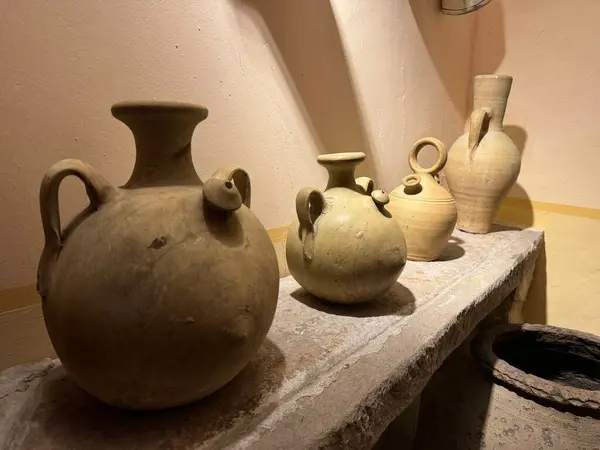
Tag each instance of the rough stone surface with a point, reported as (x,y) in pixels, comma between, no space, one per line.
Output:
(463,408)
(326,377)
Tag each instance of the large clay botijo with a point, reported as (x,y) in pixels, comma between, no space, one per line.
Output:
(344,246)
(161,291)
(484,163)
(424,209)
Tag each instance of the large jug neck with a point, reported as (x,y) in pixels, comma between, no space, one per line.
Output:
(341,168)
(163,134)
(491,91)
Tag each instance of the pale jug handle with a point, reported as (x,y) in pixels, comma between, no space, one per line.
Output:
(99,191)
(365,185)
(216,188)
(418,146)
(310,203)
(479,118)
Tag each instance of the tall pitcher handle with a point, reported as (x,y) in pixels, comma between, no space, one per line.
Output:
(479,118)
(99,191)
(219,189)
(309,206)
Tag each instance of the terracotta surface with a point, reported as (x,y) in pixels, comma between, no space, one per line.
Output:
(484,163)
(159,292)
(327,376)
(534,399)
(424,209)
(344,246)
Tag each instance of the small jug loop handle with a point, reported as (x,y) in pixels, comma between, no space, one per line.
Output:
(99,191)
(418,146)
(310,203)
(365,185)
(240,178)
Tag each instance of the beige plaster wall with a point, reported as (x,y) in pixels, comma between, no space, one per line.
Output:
(551,48)
(284,81)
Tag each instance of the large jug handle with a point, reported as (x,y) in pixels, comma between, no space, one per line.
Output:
(219,188)
(418,146)
(310,203)
(99,191)
(478,124)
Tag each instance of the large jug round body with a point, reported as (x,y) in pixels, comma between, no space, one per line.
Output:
(157,299)
(480,179)
(427,225)
(358,250)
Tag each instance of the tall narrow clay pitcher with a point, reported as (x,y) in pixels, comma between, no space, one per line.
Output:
(160,291)
(484,163)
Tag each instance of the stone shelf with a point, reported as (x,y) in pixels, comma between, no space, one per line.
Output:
(326,377)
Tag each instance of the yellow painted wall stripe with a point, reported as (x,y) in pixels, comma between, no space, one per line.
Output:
(278,234)
(18,297)
(555,208)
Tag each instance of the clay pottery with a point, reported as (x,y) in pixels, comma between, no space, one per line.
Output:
(484,163)
(344,246)
(525,387)
(160,291)
(424,209)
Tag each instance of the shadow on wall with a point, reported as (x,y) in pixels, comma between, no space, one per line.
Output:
(305,41)
(437,29)
(522,213)
(491,43)
(518,135)
(518,211)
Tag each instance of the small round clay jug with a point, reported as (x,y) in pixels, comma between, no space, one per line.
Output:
(160,291)
(344,246)
(424,209)
(484,163)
